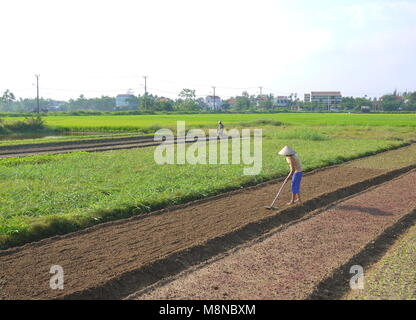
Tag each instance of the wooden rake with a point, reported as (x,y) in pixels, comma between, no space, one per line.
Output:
(271,207)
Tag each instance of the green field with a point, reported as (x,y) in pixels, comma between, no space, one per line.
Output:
(150,123)
(46,195)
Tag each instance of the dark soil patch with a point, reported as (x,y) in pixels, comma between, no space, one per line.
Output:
(80,145)
(66,146)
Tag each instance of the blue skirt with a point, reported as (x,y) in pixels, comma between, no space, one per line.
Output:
(296,179)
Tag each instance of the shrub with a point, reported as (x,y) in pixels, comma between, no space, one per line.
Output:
(261,122)
(301,134)
(29,124)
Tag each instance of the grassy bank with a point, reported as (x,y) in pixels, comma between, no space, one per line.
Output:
(42,196)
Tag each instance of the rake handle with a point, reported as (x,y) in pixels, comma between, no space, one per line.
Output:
(280,190)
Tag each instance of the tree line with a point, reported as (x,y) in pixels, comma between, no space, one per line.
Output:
(187,101)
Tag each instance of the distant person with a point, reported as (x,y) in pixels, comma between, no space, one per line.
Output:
(220,130)
(295,172)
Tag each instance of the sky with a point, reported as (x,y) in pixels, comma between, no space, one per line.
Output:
(105,47)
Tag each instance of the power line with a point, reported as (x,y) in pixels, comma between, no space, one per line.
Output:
(228,91)
(82,90)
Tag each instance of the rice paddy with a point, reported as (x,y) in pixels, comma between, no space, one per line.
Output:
(150,123)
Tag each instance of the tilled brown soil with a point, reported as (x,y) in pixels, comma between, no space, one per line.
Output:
(114,259)
(292,262)
(83,142)
(81,145)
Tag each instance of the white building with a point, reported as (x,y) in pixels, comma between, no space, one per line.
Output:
(124,100)
(327,98)
(213,103)
(283,101)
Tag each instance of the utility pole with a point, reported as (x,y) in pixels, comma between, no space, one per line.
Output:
(296,102)
(214,97)
(260,97)
(145,92)
(292,107)
(37,91)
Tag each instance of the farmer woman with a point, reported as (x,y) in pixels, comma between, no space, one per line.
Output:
(220,130)
(295,172)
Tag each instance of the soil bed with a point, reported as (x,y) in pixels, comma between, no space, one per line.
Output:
(67,146)
(81,145)
(99,262)
(292,262)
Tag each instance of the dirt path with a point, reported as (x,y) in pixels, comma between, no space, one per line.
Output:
(114,259)
(81,145)
(292,262)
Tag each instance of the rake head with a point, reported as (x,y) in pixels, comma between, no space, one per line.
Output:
(271,208)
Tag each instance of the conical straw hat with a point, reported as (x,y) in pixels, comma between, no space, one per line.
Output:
(287,151)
